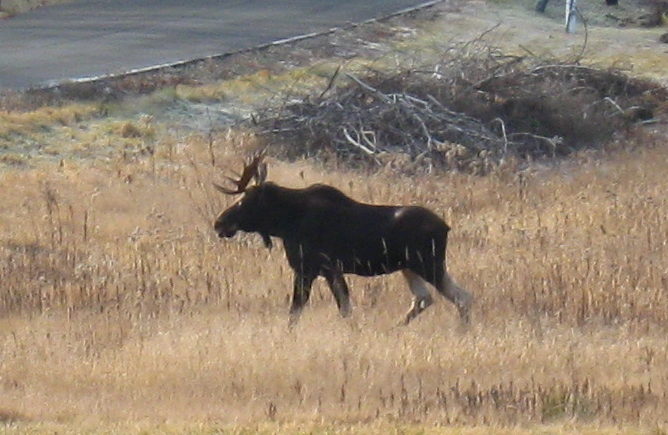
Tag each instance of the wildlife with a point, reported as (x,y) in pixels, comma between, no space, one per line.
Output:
(327,234)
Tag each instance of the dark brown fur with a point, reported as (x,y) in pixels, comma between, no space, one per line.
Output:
(325,233)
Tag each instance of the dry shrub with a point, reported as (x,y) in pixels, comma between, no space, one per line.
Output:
(471,110)
(130,130)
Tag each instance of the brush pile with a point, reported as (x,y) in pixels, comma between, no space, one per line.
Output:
(468,112)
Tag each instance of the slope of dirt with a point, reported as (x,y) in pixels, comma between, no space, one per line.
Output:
(520,29)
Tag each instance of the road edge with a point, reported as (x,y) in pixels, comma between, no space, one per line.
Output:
(50,85)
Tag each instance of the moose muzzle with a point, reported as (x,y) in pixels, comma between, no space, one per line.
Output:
(225,229)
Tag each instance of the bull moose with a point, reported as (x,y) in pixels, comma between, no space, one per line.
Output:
(326,233)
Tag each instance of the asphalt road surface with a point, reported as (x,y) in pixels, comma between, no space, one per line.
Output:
(100,37)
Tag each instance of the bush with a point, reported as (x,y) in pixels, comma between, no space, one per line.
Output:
(466,112)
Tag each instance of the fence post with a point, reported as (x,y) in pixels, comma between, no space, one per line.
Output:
(571,16)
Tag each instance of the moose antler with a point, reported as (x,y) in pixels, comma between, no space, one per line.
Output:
(254,169)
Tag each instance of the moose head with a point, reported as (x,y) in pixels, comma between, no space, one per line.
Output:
(248,213)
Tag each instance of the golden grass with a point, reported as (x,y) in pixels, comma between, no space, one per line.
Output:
(23,123)
(121,311)
(262,87)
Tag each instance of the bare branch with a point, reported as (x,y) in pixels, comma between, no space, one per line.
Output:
(356,142)
(331,82)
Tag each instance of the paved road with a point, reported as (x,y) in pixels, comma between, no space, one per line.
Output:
(99,37)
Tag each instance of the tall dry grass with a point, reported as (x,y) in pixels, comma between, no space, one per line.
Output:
(119,306)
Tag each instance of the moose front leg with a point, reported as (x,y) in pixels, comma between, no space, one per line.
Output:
(337,284)
(301,294)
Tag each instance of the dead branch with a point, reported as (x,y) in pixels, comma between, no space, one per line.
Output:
(472,109)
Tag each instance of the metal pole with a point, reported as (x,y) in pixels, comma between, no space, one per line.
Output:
(571,16)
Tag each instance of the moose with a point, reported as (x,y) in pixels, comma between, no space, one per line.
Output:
(326,233)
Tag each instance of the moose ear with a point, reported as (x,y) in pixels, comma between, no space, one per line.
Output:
(261,174)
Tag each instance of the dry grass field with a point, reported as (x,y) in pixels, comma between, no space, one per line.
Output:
(120,310)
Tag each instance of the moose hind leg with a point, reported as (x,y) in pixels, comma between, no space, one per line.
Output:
(301,294)
(337,284)
(421,297)
(457,295)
